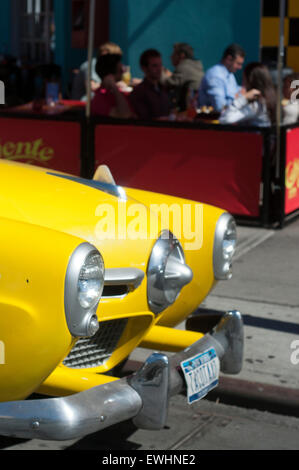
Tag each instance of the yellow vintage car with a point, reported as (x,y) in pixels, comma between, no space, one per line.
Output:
(89,271)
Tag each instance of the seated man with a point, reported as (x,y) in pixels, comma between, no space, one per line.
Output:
(187,74)
(108,99)
(219,86)
(150,99)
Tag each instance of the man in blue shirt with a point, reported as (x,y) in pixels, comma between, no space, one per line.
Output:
(219,86)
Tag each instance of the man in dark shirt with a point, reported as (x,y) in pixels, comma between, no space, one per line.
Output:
(150,99)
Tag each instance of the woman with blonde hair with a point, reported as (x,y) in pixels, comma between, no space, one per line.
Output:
(80,80)
(109,48)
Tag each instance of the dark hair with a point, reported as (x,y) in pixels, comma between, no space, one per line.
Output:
(107,64)
(257,76)
(184,48)
(234,50)
(147,55)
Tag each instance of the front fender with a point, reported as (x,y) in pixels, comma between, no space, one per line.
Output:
(33,328)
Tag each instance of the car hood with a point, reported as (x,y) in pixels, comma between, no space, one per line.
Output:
(117,226)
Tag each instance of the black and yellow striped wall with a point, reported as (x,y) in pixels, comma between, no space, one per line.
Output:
(270,32)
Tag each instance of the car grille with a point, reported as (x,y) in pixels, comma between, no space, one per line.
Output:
(95,351)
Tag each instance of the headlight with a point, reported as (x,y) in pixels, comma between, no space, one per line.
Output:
(224,246)
(167,272)
(84,284)
(90,284)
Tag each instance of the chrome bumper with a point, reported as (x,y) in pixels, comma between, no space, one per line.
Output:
(144,396)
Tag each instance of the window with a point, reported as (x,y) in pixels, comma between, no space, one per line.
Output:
(80,20)
(36,30)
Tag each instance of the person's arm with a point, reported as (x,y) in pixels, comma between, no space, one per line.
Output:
(187,72)
(240,109)
(176,79)
(215,91)
(290,112)
(121,108)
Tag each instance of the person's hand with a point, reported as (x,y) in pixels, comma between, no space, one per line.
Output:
(109,82)
(252,94)
(94,85)
(135,81)
(122,86)
(242,92)
(166,73)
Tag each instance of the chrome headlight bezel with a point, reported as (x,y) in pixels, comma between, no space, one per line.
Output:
(82,321)
(167,272)
(225,240)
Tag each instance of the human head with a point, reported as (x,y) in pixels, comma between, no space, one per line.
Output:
(287,90)
(181,51)
(151,64)
(256,75)
(109,48)
(233,58)
(108,64)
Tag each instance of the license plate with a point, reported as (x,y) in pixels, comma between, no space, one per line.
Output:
(201,374)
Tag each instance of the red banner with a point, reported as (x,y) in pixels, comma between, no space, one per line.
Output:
(216,167)
(292,171)
(50,144)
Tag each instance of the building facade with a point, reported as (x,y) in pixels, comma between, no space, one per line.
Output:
(56,31)
(270,36)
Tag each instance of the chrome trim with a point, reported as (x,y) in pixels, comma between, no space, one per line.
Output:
(104,175)
(112,189)
(227,338)
(219,262)
(123,276)
(78,319)
(97,350)
(70,417)
(143,396)
(229,333)
(163,276)
(152,384)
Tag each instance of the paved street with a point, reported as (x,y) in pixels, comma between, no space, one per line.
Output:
(204,426)
(265,289)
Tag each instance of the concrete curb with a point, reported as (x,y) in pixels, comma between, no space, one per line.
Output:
(254,395)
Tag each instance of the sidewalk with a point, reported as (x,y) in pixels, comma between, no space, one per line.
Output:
(265,290)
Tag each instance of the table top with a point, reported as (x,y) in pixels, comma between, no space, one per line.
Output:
(60,107)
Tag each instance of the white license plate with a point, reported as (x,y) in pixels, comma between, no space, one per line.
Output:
(201,374)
